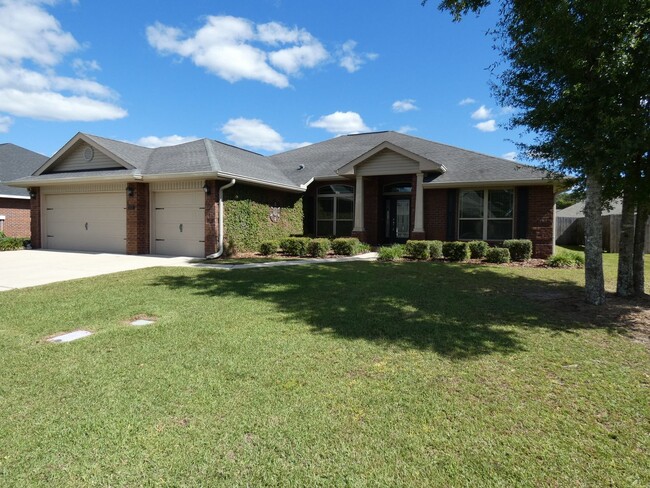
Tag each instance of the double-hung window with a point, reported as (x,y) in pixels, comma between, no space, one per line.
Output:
(486,215)
(335,210)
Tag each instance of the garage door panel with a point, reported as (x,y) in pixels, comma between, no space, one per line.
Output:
(182,214)
(180,199)
(179,226)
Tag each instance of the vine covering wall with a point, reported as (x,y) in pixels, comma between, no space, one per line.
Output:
(254,215)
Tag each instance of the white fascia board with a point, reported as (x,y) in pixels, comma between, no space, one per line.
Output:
(18,197)
(485,184)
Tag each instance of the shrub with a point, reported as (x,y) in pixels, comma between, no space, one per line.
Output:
(391,253)
(417,249)
(318,247)
(477,249)
(12,243)
(566,259)
(295,246)
(348,246)
(268,247)
(520,249)
(456,251)
(435,249)
(497,255)
(2,235)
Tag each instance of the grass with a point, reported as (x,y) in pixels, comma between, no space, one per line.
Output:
(351,374)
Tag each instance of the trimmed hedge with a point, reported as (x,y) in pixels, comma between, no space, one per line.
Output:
(318,248)
(566,259)
(295,246)
(520,249)
(477,249)
(435,249)
(268,247)
(348,246)
(499,255)
(417,249)
(12,243)
(456,251)
(391,253)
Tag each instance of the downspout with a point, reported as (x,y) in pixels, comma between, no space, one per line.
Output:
(220,250)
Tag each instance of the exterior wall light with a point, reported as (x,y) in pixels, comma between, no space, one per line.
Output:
(129,191)
(206,189)
(32,193)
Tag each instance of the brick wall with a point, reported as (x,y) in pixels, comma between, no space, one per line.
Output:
(17,217)
(211,215)
(35,204)
(137,219)
(540,220)
(435,214)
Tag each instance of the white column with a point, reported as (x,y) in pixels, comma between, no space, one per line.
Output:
(418,225)
(358,206)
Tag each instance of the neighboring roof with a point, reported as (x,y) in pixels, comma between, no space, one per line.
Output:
(17,162)
(577,209)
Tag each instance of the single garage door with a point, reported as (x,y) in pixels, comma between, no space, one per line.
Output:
(179,226)
(86,222)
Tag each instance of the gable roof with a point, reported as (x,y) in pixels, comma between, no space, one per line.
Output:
(17,162)
(615,207)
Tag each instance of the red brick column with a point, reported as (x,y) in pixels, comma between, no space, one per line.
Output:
(211,216)
(35,224)
(435,214)
(138,230)
(540,220)
(371,210)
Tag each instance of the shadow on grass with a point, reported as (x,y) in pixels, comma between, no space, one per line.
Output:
(460,312)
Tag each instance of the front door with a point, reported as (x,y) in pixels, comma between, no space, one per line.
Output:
(397,219)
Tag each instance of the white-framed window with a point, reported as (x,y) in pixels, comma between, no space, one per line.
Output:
(486,214)
(335,210)
(2,223)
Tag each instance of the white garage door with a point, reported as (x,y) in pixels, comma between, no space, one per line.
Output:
(86,222)
(179,226)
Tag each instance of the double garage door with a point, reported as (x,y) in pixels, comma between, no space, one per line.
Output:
(96,222)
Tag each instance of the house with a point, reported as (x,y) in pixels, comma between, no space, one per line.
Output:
(16,162)
(98,194)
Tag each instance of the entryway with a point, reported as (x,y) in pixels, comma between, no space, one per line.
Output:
(397,218)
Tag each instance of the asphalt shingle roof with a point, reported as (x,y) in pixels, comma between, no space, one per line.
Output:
(17,162)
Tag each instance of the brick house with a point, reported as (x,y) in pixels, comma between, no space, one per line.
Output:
(16,162)
(97,194)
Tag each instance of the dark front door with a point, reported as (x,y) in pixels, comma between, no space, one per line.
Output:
(397,215)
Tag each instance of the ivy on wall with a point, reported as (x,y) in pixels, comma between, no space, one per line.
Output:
(254,215)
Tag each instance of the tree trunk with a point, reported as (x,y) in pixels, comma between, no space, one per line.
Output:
(625,282)
(594,279)
(642,214)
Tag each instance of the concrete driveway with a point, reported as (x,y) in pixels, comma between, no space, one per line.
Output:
(22,269)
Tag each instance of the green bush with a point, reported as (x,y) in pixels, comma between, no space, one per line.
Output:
(12,243)
(268,247)
(2,235)
(456,251)
(497,255)
(417,249)
(295,246)
(391,253)
(318,247)
(520,249)
(435,249)
(477,249)
(566,259)
(348,246)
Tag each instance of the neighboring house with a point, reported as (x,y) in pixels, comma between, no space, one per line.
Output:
(97,194)
(16,162)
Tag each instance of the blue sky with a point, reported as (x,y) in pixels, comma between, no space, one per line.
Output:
(268,75)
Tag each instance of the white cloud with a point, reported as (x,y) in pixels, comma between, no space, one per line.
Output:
(350,59)
(341,123)
(173,140)
(405,105)
(255,134)
(5,123)
(467,101)
(487,126)
(482,113)
(32,44)
(512,155)
(234,48)
(507,110)
(405,129)
(83,67)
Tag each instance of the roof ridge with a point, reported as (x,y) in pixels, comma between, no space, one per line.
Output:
(212,157)
(237,147)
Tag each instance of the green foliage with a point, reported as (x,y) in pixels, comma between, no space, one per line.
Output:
(295,246)
(348,246)
(247,219)
(268,247)
(12,243)
(567,198)
(391,253)
(499,255)
(435,249)
(520,249)
(478,249)
(417,249)
(2,235)
(318,248)
(456,251)
(566,259)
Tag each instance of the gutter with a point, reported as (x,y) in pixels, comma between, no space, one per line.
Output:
(220,250)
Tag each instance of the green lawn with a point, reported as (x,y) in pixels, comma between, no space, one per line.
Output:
(351,374)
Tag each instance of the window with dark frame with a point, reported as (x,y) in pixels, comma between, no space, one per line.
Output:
(486,214)
(335,210)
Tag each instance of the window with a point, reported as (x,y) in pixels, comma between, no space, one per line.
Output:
(398,188)
(486,214)
(335,210)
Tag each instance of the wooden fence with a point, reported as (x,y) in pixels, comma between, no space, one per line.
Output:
(570,231)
